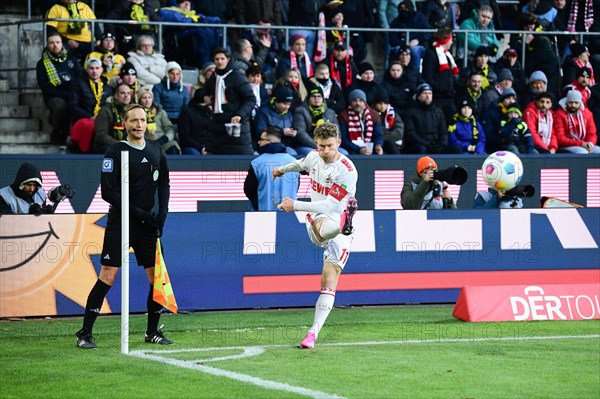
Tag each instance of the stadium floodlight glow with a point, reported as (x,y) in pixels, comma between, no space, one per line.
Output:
(125,252)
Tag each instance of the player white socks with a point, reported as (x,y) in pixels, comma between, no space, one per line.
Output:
(328,228)
(322,309)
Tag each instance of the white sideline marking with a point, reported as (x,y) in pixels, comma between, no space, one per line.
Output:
(255,350)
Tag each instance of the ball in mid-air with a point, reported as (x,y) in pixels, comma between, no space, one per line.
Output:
(502,170)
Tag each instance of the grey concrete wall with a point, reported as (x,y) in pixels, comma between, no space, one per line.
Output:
(32,42)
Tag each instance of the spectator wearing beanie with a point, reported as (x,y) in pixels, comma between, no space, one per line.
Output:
(465,130)
(128,75)
(575,129)
(515,133)
(580,58)
(425,128)
(393,126)
(536,84)
(341,65)
(581,84)
(510,61)
(482,66)
(107,52)
(505,80)
(313,113)
(171,93)
(296,58)
(276,113)
(360,126)
(365,82)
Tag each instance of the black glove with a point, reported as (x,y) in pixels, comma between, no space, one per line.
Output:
(37,209)
(160,220)
(162,140)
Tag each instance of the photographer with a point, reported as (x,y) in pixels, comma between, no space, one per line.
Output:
(25,195)
(423,191)
(496,199)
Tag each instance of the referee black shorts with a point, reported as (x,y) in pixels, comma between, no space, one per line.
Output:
(141,240)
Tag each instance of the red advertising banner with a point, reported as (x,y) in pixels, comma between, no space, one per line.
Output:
(528,302)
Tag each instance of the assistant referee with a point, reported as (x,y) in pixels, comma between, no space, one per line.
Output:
(148,174)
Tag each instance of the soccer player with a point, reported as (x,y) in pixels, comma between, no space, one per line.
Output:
(329,221)
(148,173)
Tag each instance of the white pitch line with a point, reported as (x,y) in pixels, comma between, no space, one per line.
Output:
(256,350)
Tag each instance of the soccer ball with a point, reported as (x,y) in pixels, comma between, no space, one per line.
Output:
(502,170)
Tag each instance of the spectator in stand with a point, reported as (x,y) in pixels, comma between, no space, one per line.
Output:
(263,192)
(251,12)
(425,128)
(335,18)
(232,101)
(88,95)
(149,65)
(392,124)
(159,127)
(398,89)
(56,72)
(475,94)
(538,83)
(509,61)
(440,71)
(242,56)
(539,118)
(76,34)
(560,23)
(266,48)
(276,113)
(112,61)
(580,59)
(304,13)
(540,54)
(296,58)
(311,114)
(223,9)
(409,19)
(481,65)
(481,19)
(544,12)
(357,14)
(468,7)
(465,130)
(293,80)
(411,75)
(360,126)
(334,98)
(171,93)
(505,80)
(581,16)
(575,129)
(195,121)
(136,12)
(108,126)
(387,11)
(196,42)
(494,116)
(366,82)
(254,76)
(203,75)
(581,84)
(439,13)
(128,76)
(341,66)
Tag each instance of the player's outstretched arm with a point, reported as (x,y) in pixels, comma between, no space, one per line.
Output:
(287,204)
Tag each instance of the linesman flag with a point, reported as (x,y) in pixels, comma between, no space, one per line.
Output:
(163,291)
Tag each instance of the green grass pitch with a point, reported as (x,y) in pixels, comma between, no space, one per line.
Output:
(363,352)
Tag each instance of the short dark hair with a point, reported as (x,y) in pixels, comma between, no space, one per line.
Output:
(220,50)
(253,70)
(274,131)
(545,94)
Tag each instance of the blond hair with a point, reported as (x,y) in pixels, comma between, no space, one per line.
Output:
(326,131)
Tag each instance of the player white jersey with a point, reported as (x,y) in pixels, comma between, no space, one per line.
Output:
(334,181)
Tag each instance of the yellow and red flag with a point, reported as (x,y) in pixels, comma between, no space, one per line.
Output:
(163,291)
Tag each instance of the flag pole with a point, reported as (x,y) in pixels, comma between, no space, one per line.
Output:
(125,252)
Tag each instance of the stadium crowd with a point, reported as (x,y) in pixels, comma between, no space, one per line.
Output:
(424,102)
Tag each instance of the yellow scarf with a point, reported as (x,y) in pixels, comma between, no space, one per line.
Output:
(138,14)
(98,90)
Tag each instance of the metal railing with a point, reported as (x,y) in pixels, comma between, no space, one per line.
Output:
(161,26)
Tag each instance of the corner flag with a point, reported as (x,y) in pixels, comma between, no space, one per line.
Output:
(163,291)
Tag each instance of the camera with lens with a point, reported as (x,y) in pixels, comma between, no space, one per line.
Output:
(453,175)
(55,195)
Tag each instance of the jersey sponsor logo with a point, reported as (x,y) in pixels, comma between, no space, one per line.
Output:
(317,187)
(144,160)
(337,192)
(107,165)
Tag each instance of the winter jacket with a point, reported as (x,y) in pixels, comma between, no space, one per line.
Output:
(82,101)
(194,125)
(150,69)
(250,12)
(461,134)
(474,40)
(302,122)
(173,97)
(69,71)
(376,139)
(561,123)
(425,125)
(531,116)
(443,83)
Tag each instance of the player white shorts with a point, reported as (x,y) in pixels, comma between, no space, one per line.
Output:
(337,249)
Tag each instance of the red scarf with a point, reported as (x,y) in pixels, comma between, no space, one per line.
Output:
(390,116)
(445,59)
(308,65)
(576,127)
(335,73)
(588,15)
(355,125)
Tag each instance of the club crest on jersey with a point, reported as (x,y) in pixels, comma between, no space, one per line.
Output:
(107,165)
(155,175)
